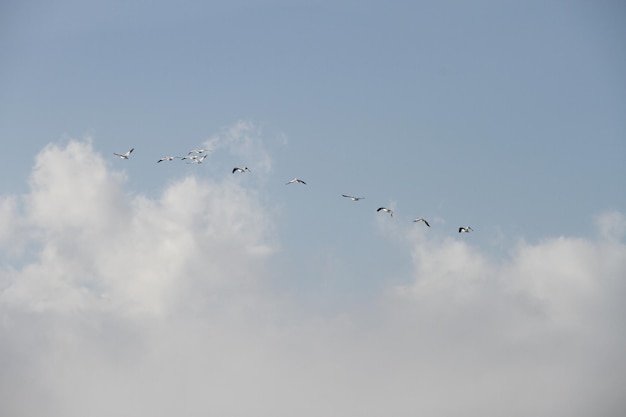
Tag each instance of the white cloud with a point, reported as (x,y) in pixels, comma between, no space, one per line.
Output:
(125,304)
(544,324)
(99,243)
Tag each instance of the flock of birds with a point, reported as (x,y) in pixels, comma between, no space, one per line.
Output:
(197,156)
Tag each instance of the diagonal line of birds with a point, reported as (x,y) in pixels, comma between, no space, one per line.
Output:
(197,156)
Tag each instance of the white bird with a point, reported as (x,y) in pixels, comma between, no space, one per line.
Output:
(125,155)
(191,157)
(240,169)
(419,219)
(167,158)
(296,180)
(195,159)
(353,198)
(465,229)
(198,151)
(387,210)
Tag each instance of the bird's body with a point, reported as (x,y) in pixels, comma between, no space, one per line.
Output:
(463,229)
(353,198)
(386,210)
(124,155)
(244,169)
(420,219)
(167,158)
(296,180)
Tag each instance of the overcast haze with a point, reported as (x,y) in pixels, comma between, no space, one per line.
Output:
(131,287)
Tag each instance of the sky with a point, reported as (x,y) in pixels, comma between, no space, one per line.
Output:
(155,289)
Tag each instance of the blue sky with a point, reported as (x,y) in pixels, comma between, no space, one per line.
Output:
(500,112)
(504,116)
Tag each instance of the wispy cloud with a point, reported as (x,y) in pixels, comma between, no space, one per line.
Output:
(243,142)
(120,303)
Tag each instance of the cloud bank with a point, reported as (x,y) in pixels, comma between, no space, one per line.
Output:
(114,303)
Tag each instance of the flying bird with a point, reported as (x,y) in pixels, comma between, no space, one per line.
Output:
(198,151)
(167,158)
(465,229)
(419,219)
(387,210)
(195,159)
(244,169)
(353,198)
(295,180)
(125,155)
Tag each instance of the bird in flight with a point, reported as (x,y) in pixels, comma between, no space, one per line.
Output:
(195,159)
(295,180)
(419,219)
(353,198)
(198,151)
(244,169)
(167,158)
(465,229)
(124,155)
(387,210)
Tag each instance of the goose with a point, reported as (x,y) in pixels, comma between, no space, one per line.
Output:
(465,229)
(419,219)
(198,151)
(387,210)
(125,155)
(296,180)
(353,198)
(167,158)
(244,169)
